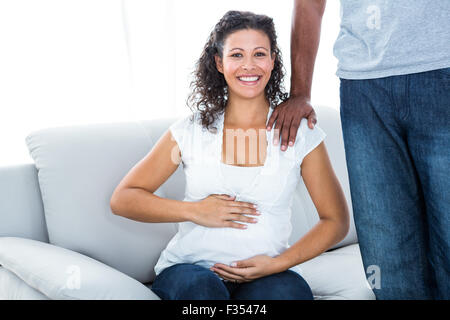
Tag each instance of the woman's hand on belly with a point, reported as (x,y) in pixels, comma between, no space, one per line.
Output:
(247,270)
(220,210)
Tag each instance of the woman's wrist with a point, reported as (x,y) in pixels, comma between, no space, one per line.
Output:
(189,209)
(282,263)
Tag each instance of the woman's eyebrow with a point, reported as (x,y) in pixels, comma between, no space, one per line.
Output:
(253,49)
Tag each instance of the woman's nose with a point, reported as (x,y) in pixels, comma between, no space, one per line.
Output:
(248,64)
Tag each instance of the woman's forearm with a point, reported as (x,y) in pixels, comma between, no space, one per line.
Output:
(320,238)
(141,205)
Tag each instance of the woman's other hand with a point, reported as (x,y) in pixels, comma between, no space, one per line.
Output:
(247,270)
(220,210)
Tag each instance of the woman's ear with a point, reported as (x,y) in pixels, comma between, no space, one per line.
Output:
(219,64)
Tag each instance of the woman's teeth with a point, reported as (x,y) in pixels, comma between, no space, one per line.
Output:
(249,79)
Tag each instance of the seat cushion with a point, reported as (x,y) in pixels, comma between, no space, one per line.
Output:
(338,274)
(62,274)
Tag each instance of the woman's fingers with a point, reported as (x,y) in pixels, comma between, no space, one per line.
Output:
(224,196)
(241,204)
(236,210)
(243,208)
(231,224)
(229,276)
(240,217)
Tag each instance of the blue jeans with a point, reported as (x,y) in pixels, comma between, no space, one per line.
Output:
(397,143)
(186,281)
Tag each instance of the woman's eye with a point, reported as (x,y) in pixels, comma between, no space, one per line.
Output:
(258,54)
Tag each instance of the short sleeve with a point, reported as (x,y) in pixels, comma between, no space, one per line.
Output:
(307,139)
(180,130)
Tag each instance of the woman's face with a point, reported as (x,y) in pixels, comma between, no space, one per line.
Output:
(247,63)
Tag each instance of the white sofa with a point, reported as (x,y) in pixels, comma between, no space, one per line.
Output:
(59,239)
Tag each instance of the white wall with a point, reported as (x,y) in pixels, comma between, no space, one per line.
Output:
(67,62)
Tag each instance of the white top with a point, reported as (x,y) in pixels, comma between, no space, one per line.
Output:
(238,178)
(270,186)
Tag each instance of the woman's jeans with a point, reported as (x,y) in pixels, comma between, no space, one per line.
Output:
(397,143)
(187,281)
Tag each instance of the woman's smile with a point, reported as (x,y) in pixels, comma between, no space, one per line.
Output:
(249,80)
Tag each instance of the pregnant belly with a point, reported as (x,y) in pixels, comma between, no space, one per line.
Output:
(208,246)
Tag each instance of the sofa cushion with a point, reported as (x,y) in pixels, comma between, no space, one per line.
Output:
(338,274)
(14,288)
(78,169)
(59,273)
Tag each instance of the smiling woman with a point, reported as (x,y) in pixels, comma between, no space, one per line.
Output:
(238,82)
(246,44)
(250,67)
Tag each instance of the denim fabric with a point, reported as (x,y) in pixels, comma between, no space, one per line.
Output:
(187,281)
(397,142)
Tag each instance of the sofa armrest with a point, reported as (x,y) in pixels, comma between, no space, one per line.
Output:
(21,208)
(63,274)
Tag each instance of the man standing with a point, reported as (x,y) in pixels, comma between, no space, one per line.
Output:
(394,70)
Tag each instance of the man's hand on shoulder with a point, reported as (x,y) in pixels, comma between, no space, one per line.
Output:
(288,116)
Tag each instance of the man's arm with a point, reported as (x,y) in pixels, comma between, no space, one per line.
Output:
(305,37)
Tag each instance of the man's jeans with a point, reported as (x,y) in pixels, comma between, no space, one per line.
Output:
(397,143)
(186,281)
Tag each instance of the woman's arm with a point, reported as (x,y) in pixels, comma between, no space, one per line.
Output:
(133,198)
(329,199)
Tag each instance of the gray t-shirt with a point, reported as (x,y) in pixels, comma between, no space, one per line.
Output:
(381,38)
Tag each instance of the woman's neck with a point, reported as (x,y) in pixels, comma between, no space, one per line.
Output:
(246,113)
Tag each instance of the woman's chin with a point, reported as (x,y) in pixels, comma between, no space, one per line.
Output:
(249,94)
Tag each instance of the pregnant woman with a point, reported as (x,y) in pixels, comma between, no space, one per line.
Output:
(234,222)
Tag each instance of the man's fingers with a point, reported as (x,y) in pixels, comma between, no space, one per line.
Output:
(278,127)
(312,119)
(285,133)
(272,119)
(293,133)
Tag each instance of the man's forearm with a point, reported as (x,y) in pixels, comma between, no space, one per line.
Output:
(305,37)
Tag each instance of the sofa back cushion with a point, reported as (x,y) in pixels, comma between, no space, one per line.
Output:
(80,166)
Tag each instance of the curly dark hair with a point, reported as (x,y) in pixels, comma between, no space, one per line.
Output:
(209,93)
